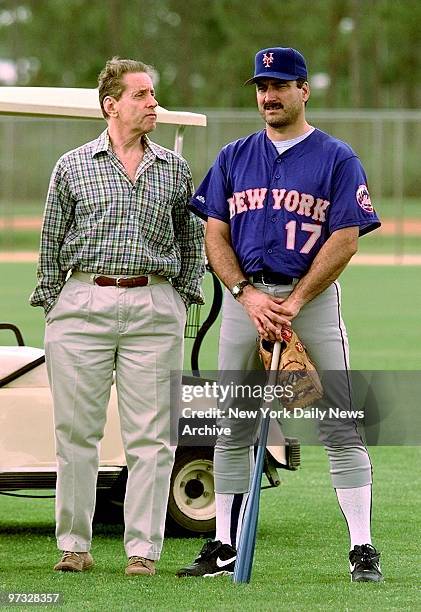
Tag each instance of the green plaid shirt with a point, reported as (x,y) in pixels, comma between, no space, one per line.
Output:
(96,220)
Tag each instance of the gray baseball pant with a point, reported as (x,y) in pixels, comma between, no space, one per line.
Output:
(321,328)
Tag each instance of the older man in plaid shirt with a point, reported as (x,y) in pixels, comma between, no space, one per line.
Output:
(116,217)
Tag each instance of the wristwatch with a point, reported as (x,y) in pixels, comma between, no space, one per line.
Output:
(237,290)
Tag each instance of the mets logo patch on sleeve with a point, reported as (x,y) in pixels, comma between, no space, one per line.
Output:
(363,199)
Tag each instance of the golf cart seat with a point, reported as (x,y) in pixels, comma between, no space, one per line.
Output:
(22,366)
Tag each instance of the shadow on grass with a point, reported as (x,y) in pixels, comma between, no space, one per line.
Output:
(47,528)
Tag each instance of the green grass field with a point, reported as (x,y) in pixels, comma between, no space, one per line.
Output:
(381,307)
(28,240)
(389,209)
(301,555)
(300,561)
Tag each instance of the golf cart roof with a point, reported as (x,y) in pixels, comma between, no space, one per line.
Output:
(74,102)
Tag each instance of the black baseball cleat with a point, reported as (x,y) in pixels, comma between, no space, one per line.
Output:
(364,560)
(215,559)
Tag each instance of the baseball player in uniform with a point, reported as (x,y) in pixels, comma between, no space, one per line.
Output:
(285,208)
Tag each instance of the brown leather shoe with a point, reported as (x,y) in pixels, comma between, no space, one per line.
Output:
(74,562)
(139,566)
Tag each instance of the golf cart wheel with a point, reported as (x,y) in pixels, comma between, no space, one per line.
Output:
(191,504)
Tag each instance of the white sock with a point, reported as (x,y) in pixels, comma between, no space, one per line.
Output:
(356,507)
(229,516)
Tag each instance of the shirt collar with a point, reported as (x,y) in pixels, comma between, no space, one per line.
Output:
(102,144)
(157,150)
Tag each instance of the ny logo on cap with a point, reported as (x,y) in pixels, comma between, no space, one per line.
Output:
(267,59)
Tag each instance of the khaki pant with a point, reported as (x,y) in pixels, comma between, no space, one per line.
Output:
(91,331)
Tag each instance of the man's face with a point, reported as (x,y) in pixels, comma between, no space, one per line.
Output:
(136,107)
(280,103)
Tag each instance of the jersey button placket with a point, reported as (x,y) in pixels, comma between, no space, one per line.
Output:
(278,168)
(277,172)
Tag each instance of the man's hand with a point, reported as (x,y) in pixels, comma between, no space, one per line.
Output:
(326,267)
(291,306)
(266,312)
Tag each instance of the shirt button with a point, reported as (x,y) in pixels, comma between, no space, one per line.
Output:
(269,250)
(131,216)
(277,176)
(129,241)
(274,219)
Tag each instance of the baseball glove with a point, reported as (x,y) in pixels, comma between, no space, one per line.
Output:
(295,369)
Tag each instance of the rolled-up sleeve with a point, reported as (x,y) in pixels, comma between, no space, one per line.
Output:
(189,235)
(58,216)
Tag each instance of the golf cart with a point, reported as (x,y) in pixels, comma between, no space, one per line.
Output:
(27,454)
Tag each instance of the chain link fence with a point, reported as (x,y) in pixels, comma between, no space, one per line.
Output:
(386,141)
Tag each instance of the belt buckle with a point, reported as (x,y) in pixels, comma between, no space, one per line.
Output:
(264,282)
(117,281)
(261,281)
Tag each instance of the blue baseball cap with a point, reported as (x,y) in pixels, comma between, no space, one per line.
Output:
(282,63)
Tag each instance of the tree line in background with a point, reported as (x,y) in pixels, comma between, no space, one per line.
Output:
(360,53)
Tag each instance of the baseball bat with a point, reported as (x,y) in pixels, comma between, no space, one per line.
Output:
(246,545)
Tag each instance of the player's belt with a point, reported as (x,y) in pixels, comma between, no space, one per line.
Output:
(271,278)
(119,281)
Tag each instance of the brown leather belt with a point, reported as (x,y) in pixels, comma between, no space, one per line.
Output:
(121,281)
(125,282)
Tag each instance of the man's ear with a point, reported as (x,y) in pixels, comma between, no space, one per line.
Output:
(306,91)
(109,104)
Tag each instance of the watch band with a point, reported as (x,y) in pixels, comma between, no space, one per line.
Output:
(237,290)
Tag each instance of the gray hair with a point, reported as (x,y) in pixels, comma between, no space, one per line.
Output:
(110,79)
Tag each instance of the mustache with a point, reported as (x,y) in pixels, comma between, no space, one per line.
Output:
(273,106)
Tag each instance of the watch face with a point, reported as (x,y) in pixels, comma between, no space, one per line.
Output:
(238,288)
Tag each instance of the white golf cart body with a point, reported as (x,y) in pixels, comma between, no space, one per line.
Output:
(26,432)
(27,453)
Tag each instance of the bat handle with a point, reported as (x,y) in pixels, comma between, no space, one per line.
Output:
(245,553)
(276,355)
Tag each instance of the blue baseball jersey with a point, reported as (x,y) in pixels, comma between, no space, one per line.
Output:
(281,209)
